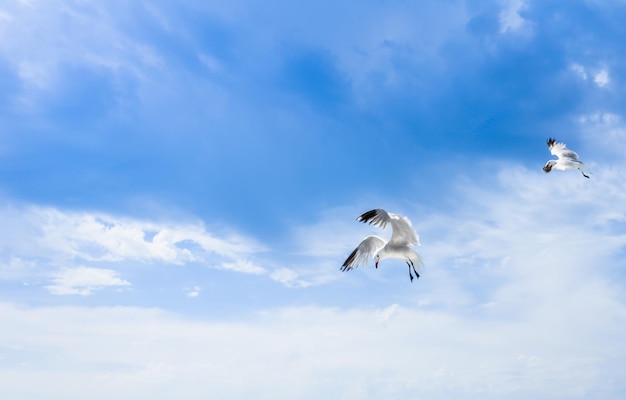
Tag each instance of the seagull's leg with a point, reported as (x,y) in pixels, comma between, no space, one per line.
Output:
(411,265)
(410,275)
(584,174)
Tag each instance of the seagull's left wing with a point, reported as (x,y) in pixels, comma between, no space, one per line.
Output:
(560,150)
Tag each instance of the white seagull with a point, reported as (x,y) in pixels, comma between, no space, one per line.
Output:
(567,159)
(400,245)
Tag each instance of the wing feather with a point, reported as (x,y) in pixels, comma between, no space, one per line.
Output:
(403,232)
(377,217)
(560,150)
(363,253)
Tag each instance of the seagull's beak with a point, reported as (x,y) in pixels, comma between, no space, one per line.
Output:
(376,264)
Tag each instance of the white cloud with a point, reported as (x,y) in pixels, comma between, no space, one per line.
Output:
(580,70)
(285,276)
(601,78)
(243,266)
(606,132)
(510,19)
(47,239)
(316,272)
(193,292)
(15,268)
(392,351)
(84,280)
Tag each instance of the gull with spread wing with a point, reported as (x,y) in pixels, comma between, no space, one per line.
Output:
(400,245)
(567,159)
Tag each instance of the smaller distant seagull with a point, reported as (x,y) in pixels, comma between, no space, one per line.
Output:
(567,159)
(400,245)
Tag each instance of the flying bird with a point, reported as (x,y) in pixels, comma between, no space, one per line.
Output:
(567,159)
(400,245)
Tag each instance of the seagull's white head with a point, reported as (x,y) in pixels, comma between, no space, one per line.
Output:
(381,255)
(548,167)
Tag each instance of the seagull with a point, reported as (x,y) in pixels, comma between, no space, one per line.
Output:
(567,159)
(400,245)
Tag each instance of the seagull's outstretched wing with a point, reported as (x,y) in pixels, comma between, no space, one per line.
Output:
(377,217)
(560,150)
(363,253)
(403,233)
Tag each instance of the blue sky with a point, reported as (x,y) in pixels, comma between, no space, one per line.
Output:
(179,184)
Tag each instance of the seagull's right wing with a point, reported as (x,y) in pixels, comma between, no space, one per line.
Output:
(363,253)
(377,217)
(403,233)
(560,150)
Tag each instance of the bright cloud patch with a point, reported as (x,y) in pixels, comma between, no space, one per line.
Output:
(510,19)
(602,78)
(100,237)
(84,280)
(51,239)
(243,266)
(285,276)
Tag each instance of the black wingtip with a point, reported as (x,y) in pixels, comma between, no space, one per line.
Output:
(347,265)
(551,142)
(367,216)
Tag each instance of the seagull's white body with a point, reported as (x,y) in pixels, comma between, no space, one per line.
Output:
(567,159)
(400,245)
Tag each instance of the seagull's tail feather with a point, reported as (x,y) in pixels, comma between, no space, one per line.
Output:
(417,261)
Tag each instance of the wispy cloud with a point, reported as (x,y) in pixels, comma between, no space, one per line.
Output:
(48,239)
(386,351)
(193,292)
(510,18)
(84,280)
